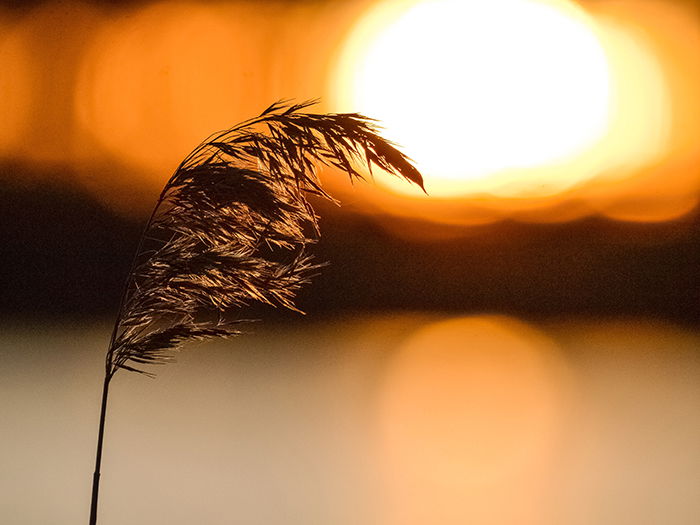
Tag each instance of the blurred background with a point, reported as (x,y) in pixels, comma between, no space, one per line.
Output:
(519,346)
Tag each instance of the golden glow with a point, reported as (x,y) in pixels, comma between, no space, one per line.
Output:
(476,89)
(670,186)
(604,122)
(51,137)
(159,81)
(471,409)
(17,85)
(493,142)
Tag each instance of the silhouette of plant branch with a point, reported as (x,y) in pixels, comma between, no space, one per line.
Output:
(233,224)
(232,227)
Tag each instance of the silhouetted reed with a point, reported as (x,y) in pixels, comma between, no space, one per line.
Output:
(232,227)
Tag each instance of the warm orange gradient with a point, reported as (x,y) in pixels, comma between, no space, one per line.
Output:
(39,55)
(17,84)
(478,90)
(159,80)
(471,412)
(550,115)
(604,122)
(669,186)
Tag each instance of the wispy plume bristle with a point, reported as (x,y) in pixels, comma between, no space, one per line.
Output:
(233,225)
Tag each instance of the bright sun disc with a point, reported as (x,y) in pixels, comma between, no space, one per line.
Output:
(475,91)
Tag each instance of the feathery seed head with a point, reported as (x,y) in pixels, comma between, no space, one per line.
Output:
(232,227)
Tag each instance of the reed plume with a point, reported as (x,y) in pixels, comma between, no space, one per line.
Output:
(233,227)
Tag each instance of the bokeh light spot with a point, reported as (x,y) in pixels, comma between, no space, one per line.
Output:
(470,406)
(17,85)
(158,82)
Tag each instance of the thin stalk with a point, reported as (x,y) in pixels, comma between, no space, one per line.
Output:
(109,371)
(236,181)
(98,456)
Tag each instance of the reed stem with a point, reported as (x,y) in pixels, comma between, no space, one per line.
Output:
(98,457)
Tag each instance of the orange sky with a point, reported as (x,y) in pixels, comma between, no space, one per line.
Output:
(120,95)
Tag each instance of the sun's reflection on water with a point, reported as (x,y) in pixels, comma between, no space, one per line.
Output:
(394,419)
(471,413)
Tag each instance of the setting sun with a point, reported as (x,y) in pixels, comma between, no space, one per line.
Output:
(482,93)
(515,83)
